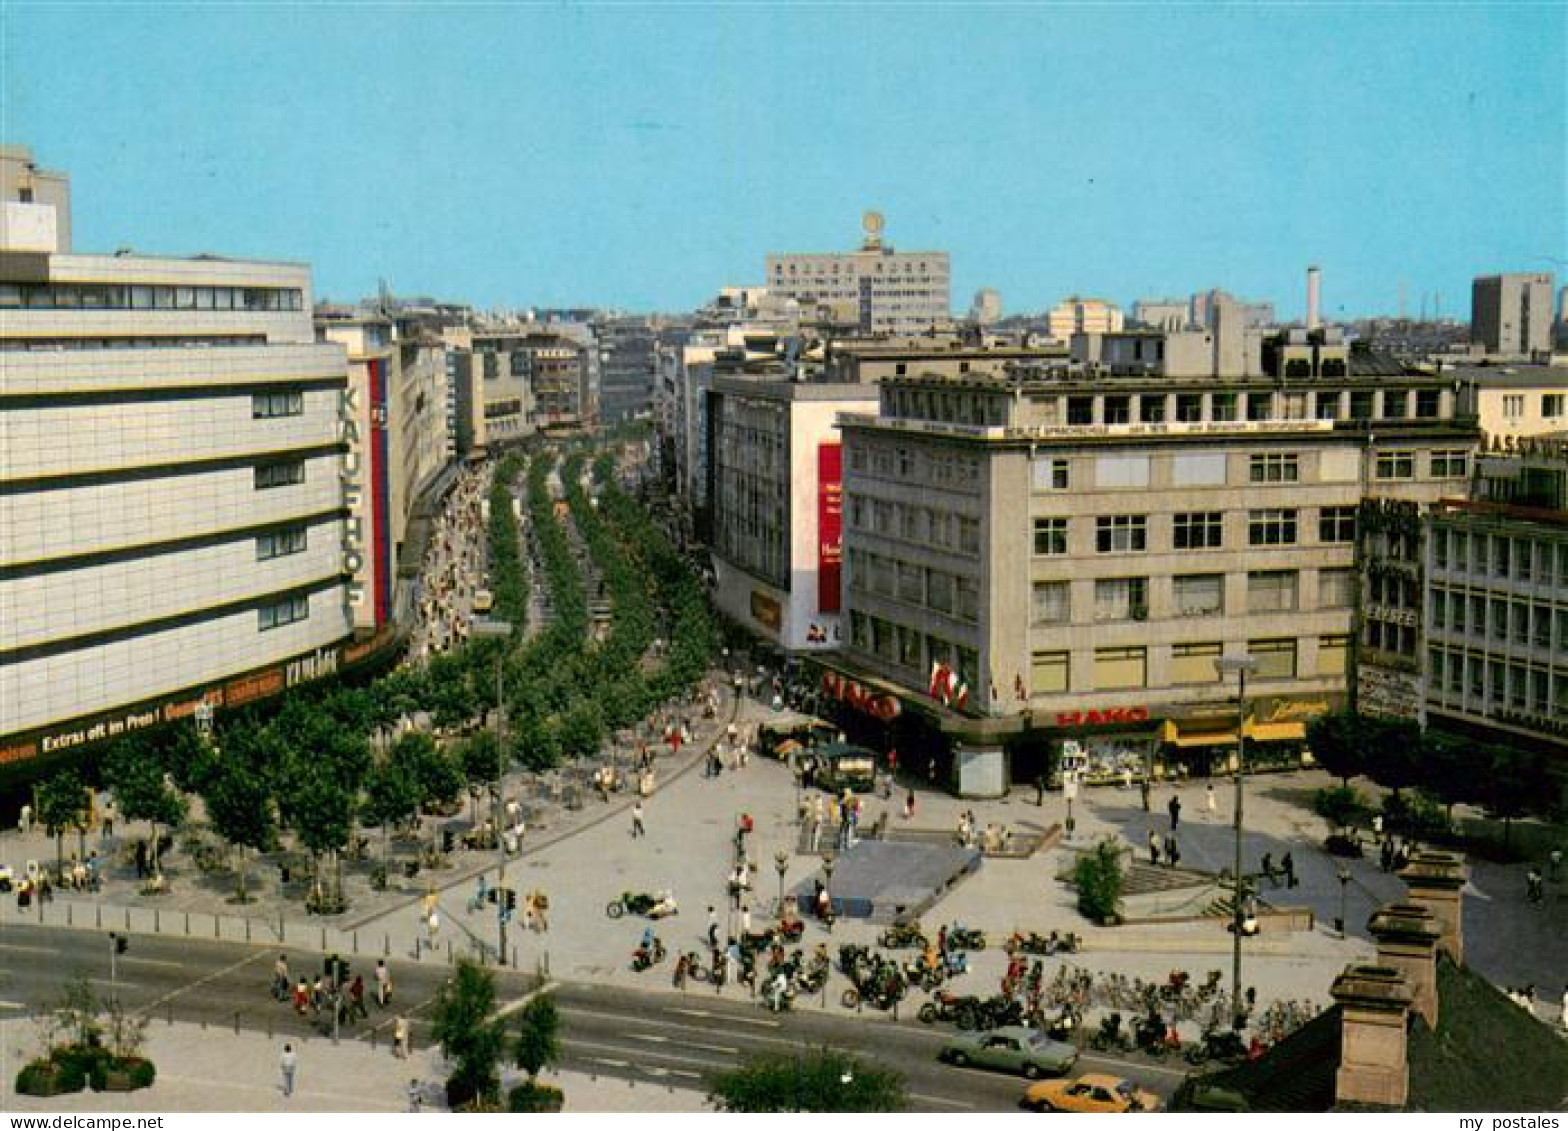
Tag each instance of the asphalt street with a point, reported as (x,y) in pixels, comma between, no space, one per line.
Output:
(641,1035)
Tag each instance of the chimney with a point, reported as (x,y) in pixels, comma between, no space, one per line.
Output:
(1374,1065)
(1314,305)
(1435,881)
(1407,942)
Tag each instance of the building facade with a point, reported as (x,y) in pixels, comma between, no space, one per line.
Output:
(175,496)
(1511,315)
(1051,556)
(1083,316)
(877,289)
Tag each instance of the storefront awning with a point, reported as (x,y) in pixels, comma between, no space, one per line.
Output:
(1276,732)
(1188,736)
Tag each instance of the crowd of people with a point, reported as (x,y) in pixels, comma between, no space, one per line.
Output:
(453,568)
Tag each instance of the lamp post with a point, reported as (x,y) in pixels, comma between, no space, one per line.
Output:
(499,631)
(1343,876)
(827,886)
(781,863)
(1241,665)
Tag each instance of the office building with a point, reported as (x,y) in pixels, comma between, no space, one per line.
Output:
(45,228)
(1511,315)
(626,367)
(175,493)
(877,289)
(1077,315)
(1053,554)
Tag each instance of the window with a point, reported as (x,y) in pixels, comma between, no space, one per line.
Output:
(1118,410)
(968,535)
(1050,536)
(1274,467)
(1198,469)
(1258,406)
(1328,406)
(1396,465)
(1120,533)
(1121,598)
(1194,663)
(280,543)
(283,612)
(1396,404)
(1052,603)
(909,579)
(939,590)
(1427,403)
(968,599)
(1272,527)
(1198,594)
(281,474)
(1450,464)
(1276,659)
(1121,471)
(1151,409)
(1222,407)
(1189,407)
(1513,406)
(1048,673)
(1337,524)
(1050,475)
(1552,405)
(289,402)
(1333,652)
(1271,591)
(1198,530)
(1116,668)
(1080,410)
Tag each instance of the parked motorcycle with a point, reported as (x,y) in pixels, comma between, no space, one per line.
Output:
(962,1011)
(1032,942)
(657,906)
(902,936)
(645,956)
(1111,1036)
(1224,1045)
(965,938)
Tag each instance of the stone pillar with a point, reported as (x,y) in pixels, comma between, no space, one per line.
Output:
(981,769)
(1407,942)
(1435,881)
(1373,1064)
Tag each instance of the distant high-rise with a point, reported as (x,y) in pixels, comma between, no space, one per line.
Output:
(1076,315)
(1512,314)
(42,222)
(986,309)
(877,289)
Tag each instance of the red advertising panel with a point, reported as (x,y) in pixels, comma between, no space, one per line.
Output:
(830,525)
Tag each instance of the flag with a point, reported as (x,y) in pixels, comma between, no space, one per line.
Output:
(961,696)
(939,674)
(950,687)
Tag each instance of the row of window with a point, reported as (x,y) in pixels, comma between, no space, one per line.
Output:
(1192,595)
(1196,530)
(926,526)
(938,467)
(909,648)
(283,612)
(952,594)
(1527,623)
(280,543)
(1194,408)
(146,296)
(1552,405)
(279,473)
(1127,668)
(281,402)
(1501,556)
(1484,683)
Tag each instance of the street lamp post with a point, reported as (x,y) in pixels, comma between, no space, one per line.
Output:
(1343,876)
(827,872)
(499,631)
(781,862)
(1241,665)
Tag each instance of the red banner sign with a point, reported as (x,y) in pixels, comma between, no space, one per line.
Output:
(830,525)
(860,697)
(1100,718)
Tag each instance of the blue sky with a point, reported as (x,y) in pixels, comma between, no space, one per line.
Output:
(641,156)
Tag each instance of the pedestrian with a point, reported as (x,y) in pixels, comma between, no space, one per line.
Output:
(1533,885)
(745,920)
(713,926)
(1209,803)
(1154,847)
(1288,866)
(400,1047)
(433,928)
(1172,853)
(383,984)
(1554,865)
(637,826)
(288,1063)
(108,818)
(1143,789)
(25,823)
(1268,868)
(1386,855)
(1174,808)
(415,1094)
(909,805)
(1039,791)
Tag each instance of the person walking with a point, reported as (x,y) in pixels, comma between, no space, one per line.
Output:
(1154,847)
(637,825)
(1039,791)
(1287,865)
(383,984)
(1554,865)
(1210,803)
(415,1095)
(1533,886)
(1174,808)
(909,805)
(432,929)
(400,1047)
(1172,852)
(713,926)
(288,1064)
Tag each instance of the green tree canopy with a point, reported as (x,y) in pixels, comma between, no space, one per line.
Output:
(62,805)
(537,1045)
(238,798)
(1099,878)
(471,1037)
(822,1080)
(1338,741)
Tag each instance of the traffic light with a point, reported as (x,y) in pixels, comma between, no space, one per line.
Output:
(508,904)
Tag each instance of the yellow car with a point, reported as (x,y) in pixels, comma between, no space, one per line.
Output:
(1091,1092)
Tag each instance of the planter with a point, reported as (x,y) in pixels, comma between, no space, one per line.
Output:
(535,1099)
(46,1078)
(126,1075)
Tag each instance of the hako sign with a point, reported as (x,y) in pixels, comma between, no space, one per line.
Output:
(861,697)
(1102,716)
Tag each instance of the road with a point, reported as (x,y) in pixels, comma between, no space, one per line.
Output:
(658,1038)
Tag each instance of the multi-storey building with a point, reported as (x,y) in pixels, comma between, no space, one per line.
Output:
(776,487)
(1496,611)
(1052,554)
(877,289)
(1511,315)
(44,228)
(626,361)
(176,484)
(1517,399)
(1083,316)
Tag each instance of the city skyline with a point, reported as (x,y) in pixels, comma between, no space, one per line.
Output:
(1126,152)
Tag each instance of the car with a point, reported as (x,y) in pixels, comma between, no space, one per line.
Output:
(1011,1048)
(1091,1092)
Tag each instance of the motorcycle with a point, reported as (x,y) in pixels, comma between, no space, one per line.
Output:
(902,936)
(658,906)
(780,994)
(965,938)
(1154,1037)
(962,1011)
(645,956)
(1224,1045)
(1033,942)
(1111,1037)
(688,965)
(924,977)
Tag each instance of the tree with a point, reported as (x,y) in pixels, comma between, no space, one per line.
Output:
(537,1045)
(1341,806)
(1338,741)
(1449,770)
(62,804)
(434,772)
(470,1036)
(1515,783)
(1098,875)
(391,796)
(1392,752)
(824,1080)
(320,806)
(144,793)
(239,805)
